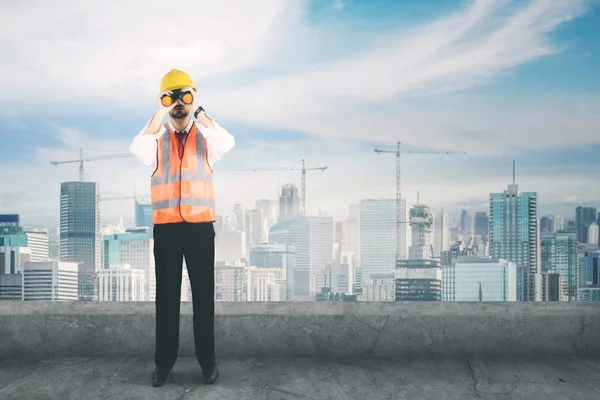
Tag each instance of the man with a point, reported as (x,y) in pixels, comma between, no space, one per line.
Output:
(182,153)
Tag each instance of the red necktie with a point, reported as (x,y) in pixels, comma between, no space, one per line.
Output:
(180,136)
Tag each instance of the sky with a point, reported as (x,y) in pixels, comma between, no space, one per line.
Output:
(327,81)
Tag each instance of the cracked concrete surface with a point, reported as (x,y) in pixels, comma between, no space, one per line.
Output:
(304,378)
(280,329)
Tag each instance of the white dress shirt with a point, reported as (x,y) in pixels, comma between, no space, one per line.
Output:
(218,142)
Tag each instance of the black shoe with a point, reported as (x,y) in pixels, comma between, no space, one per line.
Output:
(160,376)
(210,376)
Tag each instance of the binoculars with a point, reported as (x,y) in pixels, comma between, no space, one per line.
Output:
(186,97)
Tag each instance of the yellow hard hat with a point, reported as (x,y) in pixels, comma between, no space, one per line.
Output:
(175,79)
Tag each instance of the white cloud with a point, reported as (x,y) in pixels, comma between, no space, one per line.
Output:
(407,87)
(392,90)
(90,48)
(354,173)
(340,4)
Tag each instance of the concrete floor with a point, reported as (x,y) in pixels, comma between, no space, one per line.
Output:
(303,378)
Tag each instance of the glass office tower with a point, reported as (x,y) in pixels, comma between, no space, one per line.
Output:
(80,237)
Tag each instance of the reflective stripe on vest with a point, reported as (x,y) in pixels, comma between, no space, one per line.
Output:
(182,190)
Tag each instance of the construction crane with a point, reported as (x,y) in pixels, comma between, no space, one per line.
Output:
(303,169)
(101,198)
(81,160)
(398,152)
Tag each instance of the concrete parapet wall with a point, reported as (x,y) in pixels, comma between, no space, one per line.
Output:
(395,330)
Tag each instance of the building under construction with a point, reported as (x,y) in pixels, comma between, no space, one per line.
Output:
(420,277)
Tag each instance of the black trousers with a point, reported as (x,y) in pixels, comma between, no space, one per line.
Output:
(195,242)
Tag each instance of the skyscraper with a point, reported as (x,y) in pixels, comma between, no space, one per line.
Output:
(143,213)
(466,225)
(254,229)
(268,209)
(482,225)
(514,236)
(441,232)
(289,201)
(80,236)
(421,223)
(321,251)
(593,233)
(9,224)
(38,243)
(559,256)
(377,237)
(584,217)
(239,216)
(133,248)
(419,278)
(295,231)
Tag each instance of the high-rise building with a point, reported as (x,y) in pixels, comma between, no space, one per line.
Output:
(421,223)
(268,209)
(50,281)
(80,233)
(13,258)
(482,224)
(514,236)
(584,217)
(238,212)
(289,201)
(348,237)
(380,288)
(277,256)
(593,234)
(254,228)
(143,213)
(559,256)
(126,254)
(547,224)
(36,241)
(265,284)
(120,282)
(441,232)
(419,278)
(231,283)
(479,278)
(321,251)
(377,237)
(12,261)
(39,245)
(294,230)
(551,224)
(466,225)
(230,241)
(9,225)
(589,275)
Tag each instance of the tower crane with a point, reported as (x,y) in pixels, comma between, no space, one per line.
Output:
(81,160)
(101,198)
(398,153)
(303,169)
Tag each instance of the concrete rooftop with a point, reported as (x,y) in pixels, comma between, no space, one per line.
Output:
(304,378)
(308,351)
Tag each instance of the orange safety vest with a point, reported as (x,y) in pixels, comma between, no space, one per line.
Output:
(182,190)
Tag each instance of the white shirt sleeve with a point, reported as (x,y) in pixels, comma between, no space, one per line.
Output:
(218,141)
(144,147)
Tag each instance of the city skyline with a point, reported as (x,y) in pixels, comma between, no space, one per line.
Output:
(499,80)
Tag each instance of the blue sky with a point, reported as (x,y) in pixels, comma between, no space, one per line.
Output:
(327,81)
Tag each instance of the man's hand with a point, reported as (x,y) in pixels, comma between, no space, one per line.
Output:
(191,108)
(164,110)
(156,121)
(202,117)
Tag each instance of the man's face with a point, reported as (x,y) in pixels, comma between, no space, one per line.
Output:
(180,111)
